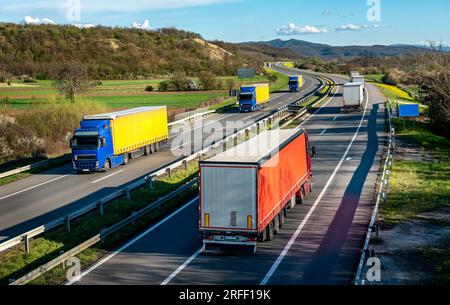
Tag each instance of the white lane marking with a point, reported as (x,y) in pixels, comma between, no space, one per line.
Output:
(180,268)
(35,186)
(308,118)
(325,130)
(109,176)
(188,261)
(104,260)
(348,159)
(335,118)
(286,249)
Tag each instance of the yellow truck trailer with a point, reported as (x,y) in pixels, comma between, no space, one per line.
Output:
(107,140)
(251,97)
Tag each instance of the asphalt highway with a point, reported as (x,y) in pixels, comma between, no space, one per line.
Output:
(320,242)
(41,198)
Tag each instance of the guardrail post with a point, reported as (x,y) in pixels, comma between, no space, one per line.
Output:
(378,232)
(149,180)
(169,172)
(102,235)
(26,242)
(258,128)
(247,134)
(67,223)
(185,164)
(269,127)
(100,207)
(235,140)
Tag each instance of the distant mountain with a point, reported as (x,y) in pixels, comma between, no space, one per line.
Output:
(309,49)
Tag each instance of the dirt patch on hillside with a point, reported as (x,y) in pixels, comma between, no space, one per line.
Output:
(215,52)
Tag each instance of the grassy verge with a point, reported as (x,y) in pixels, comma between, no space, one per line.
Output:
(281,83)
(16,262)
(224,106)
(418,186)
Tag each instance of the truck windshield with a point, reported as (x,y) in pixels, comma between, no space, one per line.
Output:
(86,142)
(246,97)
(293,83)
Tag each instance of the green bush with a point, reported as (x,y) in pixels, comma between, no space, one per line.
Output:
(149,89)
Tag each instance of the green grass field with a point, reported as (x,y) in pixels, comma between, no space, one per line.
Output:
(172,100)
(418,186)
(119,93)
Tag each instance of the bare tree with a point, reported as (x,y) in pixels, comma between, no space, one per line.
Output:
(71,79)
(272,77)
(433,77)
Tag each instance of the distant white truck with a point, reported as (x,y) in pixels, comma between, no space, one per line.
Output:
(353,96)
(358,79)
(353,74)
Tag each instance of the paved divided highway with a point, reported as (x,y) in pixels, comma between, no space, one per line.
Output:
(39,199)
(320,242)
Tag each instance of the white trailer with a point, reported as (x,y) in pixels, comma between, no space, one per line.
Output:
(353,96)
(358,79)
(353,74)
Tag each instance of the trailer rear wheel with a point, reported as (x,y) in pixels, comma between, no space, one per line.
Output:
(270,232)
(293,202)
(276,225)
(147,150)
(282,217)
(263,236)
(157,146)
(152,148)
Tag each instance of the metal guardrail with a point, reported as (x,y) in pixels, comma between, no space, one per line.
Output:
(126,191)
(101,236)
(30,167)
(182,119)
(107,232)
(184,116)
(382,195)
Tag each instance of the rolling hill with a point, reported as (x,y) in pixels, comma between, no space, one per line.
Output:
(309,49)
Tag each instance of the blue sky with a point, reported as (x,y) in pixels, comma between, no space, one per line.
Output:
(322,21)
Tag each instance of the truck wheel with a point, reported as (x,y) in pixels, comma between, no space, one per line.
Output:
(276,225)
(300,196)
(107,165)
(293,202)
(157,146)
(126,159)
(263,236)
(147,150)
(282,218)
(270,232)
(152,148)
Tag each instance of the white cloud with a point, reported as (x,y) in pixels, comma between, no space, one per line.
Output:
(32,20)
(293,29)
(348,27)
(143,26)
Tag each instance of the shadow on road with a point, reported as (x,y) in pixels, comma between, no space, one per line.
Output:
(327,255)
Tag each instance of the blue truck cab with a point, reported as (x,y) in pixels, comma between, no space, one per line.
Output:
(252,97)
(247,99)
(92,147)
(294,83)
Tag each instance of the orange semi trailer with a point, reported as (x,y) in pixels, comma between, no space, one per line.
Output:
(245,192)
